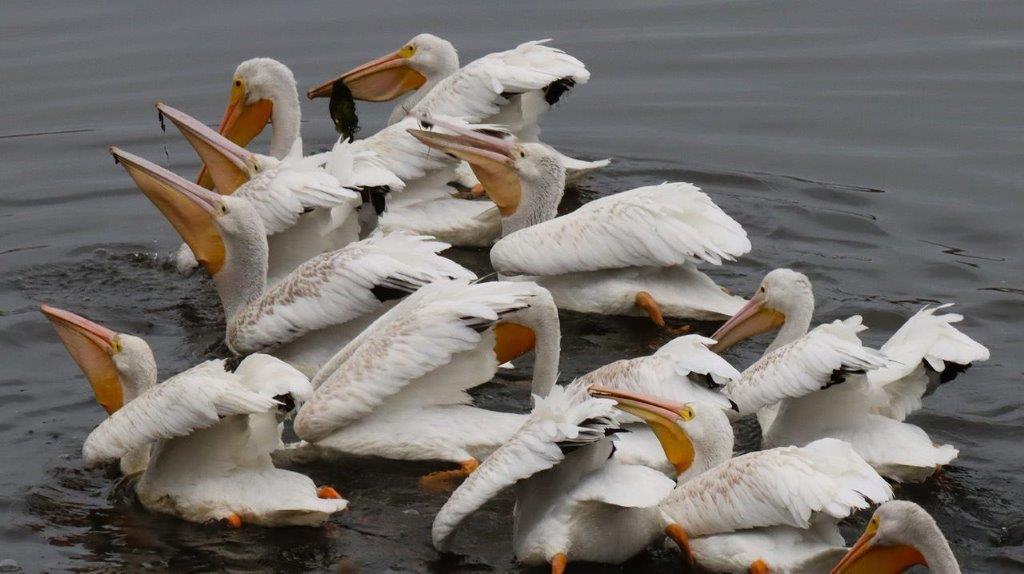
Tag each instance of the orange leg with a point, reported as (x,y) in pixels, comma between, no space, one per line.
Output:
(645,301)
(328,492)
(233,520)
(444,480)
(558,563)
(758,567)
(678,535)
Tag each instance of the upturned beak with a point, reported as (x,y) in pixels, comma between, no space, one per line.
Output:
(662,417)
(866,557)
(188,207)
(752,319)
(378,80)
(92,346)
(242,121)
(492,160)
(223,159)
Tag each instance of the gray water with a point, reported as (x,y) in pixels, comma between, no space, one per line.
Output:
(875,146)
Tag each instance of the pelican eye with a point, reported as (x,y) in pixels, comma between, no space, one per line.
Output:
(223,208)
(238,83)
(686,413)
(407,51)
(522,153)
(115,345)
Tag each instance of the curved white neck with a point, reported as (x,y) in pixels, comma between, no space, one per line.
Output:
(798,321)
(539,204)
(285,119)
(936,551)
(548,344)
(243,278)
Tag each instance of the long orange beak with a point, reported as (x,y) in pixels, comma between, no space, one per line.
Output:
(378,80)
(242,121)
(188,207)
(752,319)
(92,346)
(492,160)
(662,417)
(868,558)
(224,160)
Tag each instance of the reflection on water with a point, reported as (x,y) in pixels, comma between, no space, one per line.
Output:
(911,109)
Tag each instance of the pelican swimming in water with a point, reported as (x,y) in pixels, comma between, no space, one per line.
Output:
(683,370)
(399,390)
(510,89)
(630,253)
(200,442)
(824,382)
(899,535)
(321,305)
(575,502)
(305,210)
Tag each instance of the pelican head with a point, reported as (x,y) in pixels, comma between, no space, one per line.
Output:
(425,57)
(900,535)
(118,366)
(525,180)
(210,223)
(694,435)
(262,90)
(784,295)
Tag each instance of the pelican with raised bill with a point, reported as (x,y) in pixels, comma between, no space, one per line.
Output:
(899,536)
(199,442)
(774,510)
(630,253)
(826,383)
(683,370)
(305,210)
(321,305)
(399,390)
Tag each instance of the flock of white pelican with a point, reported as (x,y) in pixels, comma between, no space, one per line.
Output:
(352,324)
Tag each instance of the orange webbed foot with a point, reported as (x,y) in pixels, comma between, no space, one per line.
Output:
(328,492)
(758,567)
(444,480)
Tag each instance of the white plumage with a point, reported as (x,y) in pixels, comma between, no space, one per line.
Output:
(805,366)
(780,486)
(417,361)
(336,287)
(659,226)
(927,340)
(480,90)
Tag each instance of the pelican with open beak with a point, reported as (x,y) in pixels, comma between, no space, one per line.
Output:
(739,512)
(181,435)
(381,79)
(630,253)
(322,298)
(305,210)
(899,536)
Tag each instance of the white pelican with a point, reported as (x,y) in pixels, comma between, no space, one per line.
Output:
(310,314)
(630,253)
(574,502)
(683,371)
(511,88)
(305,210)
(201,440)
(399,389)
(773,510)
(899,536)
(795,386)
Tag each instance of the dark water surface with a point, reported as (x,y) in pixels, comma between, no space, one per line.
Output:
(874,145)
